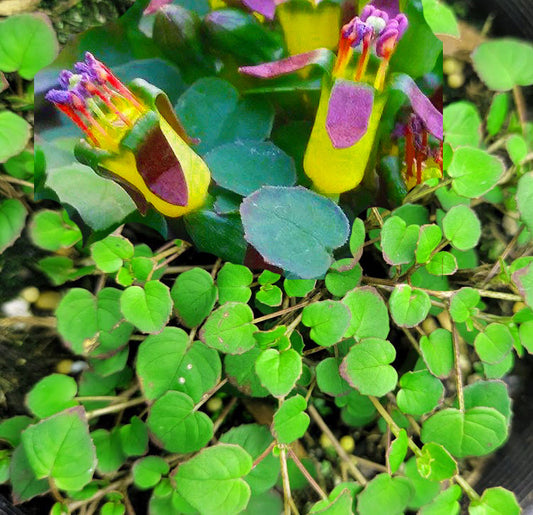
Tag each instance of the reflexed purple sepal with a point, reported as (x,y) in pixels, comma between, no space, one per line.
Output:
(349,110)
(287,65)
(422,106)
(265,7)
(391,7)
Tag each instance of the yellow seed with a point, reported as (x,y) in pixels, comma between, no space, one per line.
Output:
(456,80)
(347,443)
(64,366)
(450,66)
(30,294)
(48,300)
(429,325)
(325,442)
(214,404)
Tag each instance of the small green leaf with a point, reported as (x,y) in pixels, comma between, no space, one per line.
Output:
(229,329)
(134,437)
(504,63)
(475,172)
(462,124)
(358,409)
(357,236)
(12,220)
(463,304)
(391,494)
(490,394)
(523,279)
(329,379)
(52,230)
(328,321)
(279,371)
(446,503)
(408,306)
(298,287)
(437,351)
(442,263)
(516,147)
(494,343)
(148,307)
(194,294)
(108,450)
(428,240)
(290,420)
(233,283)
(440,17)
(425,490)
(398,241)
(25,484)
(147,471)
(370,317)
(15,131)
(109,254)
(493,501)
(240,370)
(28,44)
(270,295)
(366,367)
(498,111)
(435,463)
(11,428)
(335,505)
(420,392)
(176,426)
(397,451)
(61,449)
(524,199)
(476,432)
(52,394)
(343,276)
(212,481)
(462,227)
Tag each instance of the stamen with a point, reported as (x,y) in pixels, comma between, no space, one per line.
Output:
(362,63)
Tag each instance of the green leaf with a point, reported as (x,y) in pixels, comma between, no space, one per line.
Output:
(255,439)
(523,279)
(446,503)
(476,432)
(290,420)
(229,329)
(108,450)
(278,371)
(437,351)
(233,283)
(442,263)
(462,227)
(269,295)
(498,111)
(12,221)
(463,304)
(435,463)
(397,451)
(52,230)
(398,241)
(244,166)
(440,17)
(240,370)
(61,449)
(420,393)
(52,394)
(357,236)
(147,471)
(15,132)
(517,149)
(328,321)
(494,501)
(391,494)
(11,428)
(212,481)
(284,223)
(358,409)
(28,44)
(370,317)
(462,124)
(176,426)
(194,294)
(25,484)
(329,379)
(475,172)
(490,394)
(424,489)
(148,307)
(504,63)
(298,287)
(524,199)
(494,343)
(134,437)
(339,505)
(428,239)
(343,276)
(525,332)
(109,254)
(366,367)
(408,306)
(499,370)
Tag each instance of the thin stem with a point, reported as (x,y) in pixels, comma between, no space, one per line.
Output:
(210,393)
(412,340)
(356,473)
(113,487)
(14,180)
(223,414)
(114,408)
(458,373)
(281,312)
(520,104)
(286,482)
(306,474)
(472,494)
(264,454)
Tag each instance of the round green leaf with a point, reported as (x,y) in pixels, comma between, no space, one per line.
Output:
(494,343)
(14,133)
(343,276)
(329,379)
(147,471)
(284,223)
(28,44)
(233,283)
(370,317)
(526,335)
(176,426)
(148,307)
(398,241)
(52,394)
(240,370)
(366,367)
(462,227)
(270,295)
(504,63)
(428,240)
(391,494)
(490,394)
(495,501)
(298,287)
(52,230)
(61,449)
(194,294)
(109,254)
(11,428)
(328,321)
(279,371)
(108,450)
(498,111)
(440,18)
(475,172)
(437,351)
(442,263)
(212,481)
(476,432)
(25,484)
(245,166)
(425,490)
(397,451)
(134,437)
(12,221)
(463,304)
(357,236)
(435,463)
(420,392)
(446,503)
(524,199)
(462,124)
(517,149)
(229,329)
(409,307)
(290,420)
(357,409)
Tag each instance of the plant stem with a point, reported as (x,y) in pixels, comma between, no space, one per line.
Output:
(458,373)
(520,105)
(210,393)
(281,312)
(224,414)
(264,454)
(286,482)
(412,340)
(113,487)
(472,494)
(305,472)
(115,407)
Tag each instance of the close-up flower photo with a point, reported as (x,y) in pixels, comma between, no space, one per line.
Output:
(266,257)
